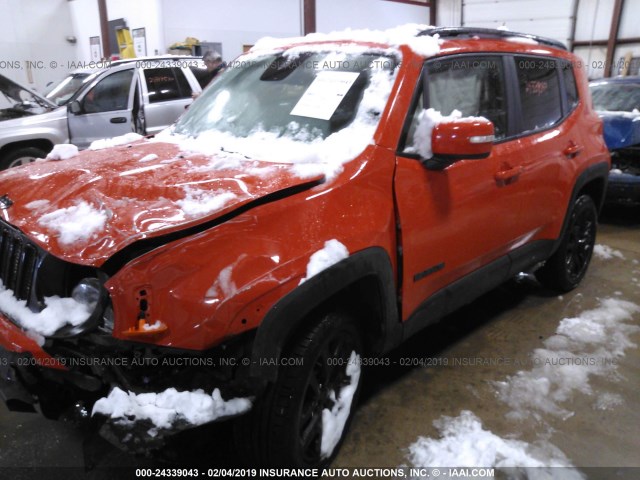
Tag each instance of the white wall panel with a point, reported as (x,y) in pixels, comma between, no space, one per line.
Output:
(35,31)
(548,18)
(232,23)
(594,19)
(630,20)
(373,14)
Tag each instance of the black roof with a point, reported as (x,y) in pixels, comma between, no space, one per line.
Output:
(468,32)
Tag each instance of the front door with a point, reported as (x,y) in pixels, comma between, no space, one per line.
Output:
(105,109)
(457,220)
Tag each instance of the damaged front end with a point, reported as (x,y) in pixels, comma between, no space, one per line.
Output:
(624,177)
(135,394)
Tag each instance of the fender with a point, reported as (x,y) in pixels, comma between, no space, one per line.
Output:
(593,172)
(290,312)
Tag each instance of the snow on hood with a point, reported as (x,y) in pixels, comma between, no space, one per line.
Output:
(402,35)
(86,208)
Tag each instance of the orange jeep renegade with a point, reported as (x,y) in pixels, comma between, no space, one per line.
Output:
(324,199)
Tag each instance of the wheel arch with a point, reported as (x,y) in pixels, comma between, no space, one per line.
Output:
(362,284)
(41,143)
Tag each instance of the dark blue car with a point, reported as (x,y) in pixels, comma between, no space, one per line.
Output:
(617,101)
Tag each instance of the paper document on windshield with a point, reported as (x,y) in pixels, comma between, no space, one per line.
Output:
(324,95)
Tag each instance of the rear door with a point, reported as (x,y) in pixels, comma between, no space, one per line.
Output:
(105,108)
(167,94)
(460,219)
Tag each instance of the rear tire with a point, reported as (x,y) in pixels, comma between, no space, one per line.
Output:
(568,265)
(286,427)
(21,156)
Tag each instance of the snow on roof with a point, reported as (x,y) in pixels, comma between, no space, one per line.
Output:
(394,37)
(165,408)
(582,347)
(75,223)
(465,443)
(57,313)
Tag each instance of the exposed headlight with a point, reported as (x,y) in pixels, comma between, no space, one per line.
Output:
(90,293)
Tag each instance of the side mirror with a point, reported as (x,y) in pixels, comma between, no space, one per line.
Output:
(460,139)
(74,107)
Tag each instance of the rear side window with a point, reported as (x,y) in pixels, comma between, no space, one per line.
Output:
(570,85)
(166,84)
(539,86)
(472,85)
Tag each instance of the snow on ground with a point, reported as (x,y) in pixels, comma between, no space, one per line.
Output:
(199,202)
(402,35)
(605,252)
(57,313)
(464,443)
(583,346)
(310,156)
(332,253)
(114,141)
(334,420)
(165,408)
(62,151)
(75,223)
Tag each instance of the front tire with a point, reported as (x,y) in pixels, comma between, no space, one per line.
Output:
(568,265)
(21,156)
(302,420)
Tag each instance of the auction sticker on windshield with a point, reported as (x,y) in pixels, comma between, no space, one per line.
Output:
(324,94)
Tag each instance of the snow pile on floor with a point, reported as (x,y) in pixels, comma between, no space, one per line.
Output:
(75,223)
(115,141)
(582,346)
(199,202)
(394,37)
(464,443)
(165,408)
(334,420)
(310,155)
(605,252)
(62,151)
(332,253)
(57,313)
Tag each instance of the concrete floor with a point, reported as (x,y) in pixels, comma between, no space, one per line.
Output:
(399,404)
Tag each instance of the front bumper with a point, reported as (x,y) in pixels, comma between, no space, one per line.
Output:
(49,377)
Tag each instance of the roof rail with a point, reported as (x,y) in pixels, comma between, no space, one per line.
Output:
(447,32)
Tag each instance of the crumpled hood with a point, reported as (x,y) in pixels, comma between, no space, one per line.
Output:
(87,208)
(621,129)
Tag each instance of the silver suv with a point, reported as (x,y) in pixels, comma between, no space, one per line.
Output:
(137,95)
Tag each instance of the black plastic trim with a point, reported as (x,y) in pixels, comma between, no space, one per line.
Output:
(286,316)
(448,32)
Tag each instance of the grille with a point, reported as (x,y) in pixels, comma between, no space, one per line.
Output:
(18,262)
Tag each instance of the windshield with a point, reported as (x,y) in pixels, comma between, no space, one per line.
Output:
(305,96)
(616,97)
(65,90)
(16,101)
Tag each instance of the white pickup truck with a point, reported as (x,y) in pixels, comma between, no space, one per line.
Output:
(142,95)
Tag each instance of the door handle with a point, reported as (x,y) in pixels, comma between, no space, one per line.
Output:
(505,177)
(118,120)
(572,151)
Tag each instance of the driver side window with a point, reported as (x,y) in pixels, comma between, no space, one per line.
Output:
(472,85)
(109,94)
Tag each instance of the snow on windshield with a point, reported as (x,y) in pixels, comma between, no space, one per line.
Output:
(323,115)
